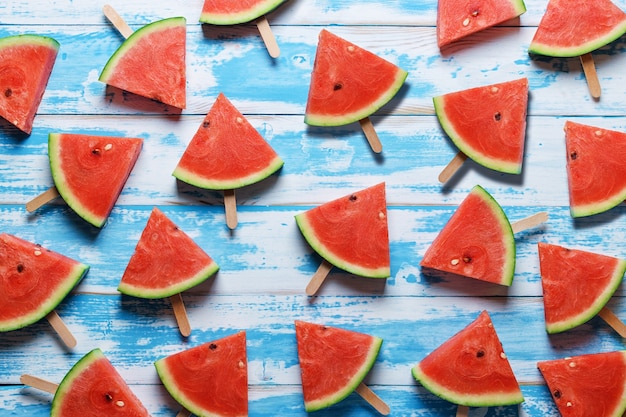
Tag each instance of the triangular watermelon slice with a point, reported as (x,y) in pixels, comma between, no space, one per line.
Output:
(151,63)
(493,132)
(210,379)
(351,232)
(576,284)
(477,241)
(94,388)
(226,12)
(459,18)
(471,368)
(90,171)
(570,29)
(166,261)
(33,281)
(591,385)
(348,83)
(27,62)
(333,362)
(226,152)
(595,170)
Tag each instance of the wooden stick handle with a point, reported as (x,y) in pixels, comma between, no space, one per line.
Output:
(117,21)
(59,326)
(589,68)
(40,384)
(268,37)
(230,207)
(612,320)
(373,399)
(371,135)
(452,167)
(530,221)
(181,314)
(184,413)
(43,198)
(318,278)
(462,411)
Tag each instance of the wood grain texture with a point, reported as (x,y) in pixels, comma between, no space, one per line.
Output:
(265,263)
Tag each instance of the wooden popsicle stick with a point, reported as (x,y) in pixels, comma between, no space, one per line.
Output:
(181,314)
(40,384)
(318,278)
(230,206)
(371,135)
(452,167)
(117,21)
(462,411)
(612,320)
(373,399)
(530,221)
(59,326)
(589,68)
(268,37)
(184,413)
(43,198)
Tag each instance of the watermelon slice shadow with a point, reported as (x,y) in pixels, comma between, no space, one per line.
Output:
(511,28)
(461,284)
(118,98)
(13,133)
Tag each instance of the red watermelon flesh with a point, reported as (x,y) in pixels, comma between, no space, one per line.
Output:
(459,18)
(151,63)
(492,133)
(576,284)
(94,388)
(348,83)
(210,379)
(569,29)
(33,281)
(592,385)
(351,232)
(596,173)
(26,63)
(90,171)
(333,362)
(166,261)
(226,152)
(228,12)
(471,368)
(477,241)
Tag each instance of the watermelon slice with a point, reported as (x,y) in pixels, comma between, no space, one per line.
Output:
(471,368)
(459,18)
(351,232)
(591,385)
(576,284)
(569,30)
(493,133)
(348,83)
(90,171)
(210,379)
(26,63)
(224,12)
(333,362)
(94,388)
(166,261)
(595,170)
(151,63)
(33,281)
(477,241)
(226,152)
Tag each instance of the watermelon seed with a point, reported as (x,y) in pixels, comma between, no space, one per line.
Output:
(556,393)
(494,89)
(206,124)
(239,120)
(572,364)
(212,346)
(338,86)
(20,267)
(353,197)
(573,155)
(467,259)
(108,397)
(108,147)
(120,403)
(350,48)
(37,252)
(497,116)
(466,21)
(95,151)
(475,12)
(454,261)
(569,404)
(480,353)
(241,364)
(503,355)
(598,133)
(8,92)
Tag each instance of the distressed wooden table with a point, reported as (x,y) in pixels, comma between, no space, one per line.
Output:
(265,263)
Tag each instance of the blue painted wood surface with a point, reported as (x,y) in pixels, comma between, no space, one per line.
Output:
(265,263)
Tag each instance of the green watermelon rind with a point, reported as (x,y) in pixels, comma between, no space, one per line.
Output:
(307,231)
(313,119)
(584,210)
(352,385)
(578,50)
(595,307)
(486,400)
(29,39)
(260,9)
(199,181)
(132,40)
